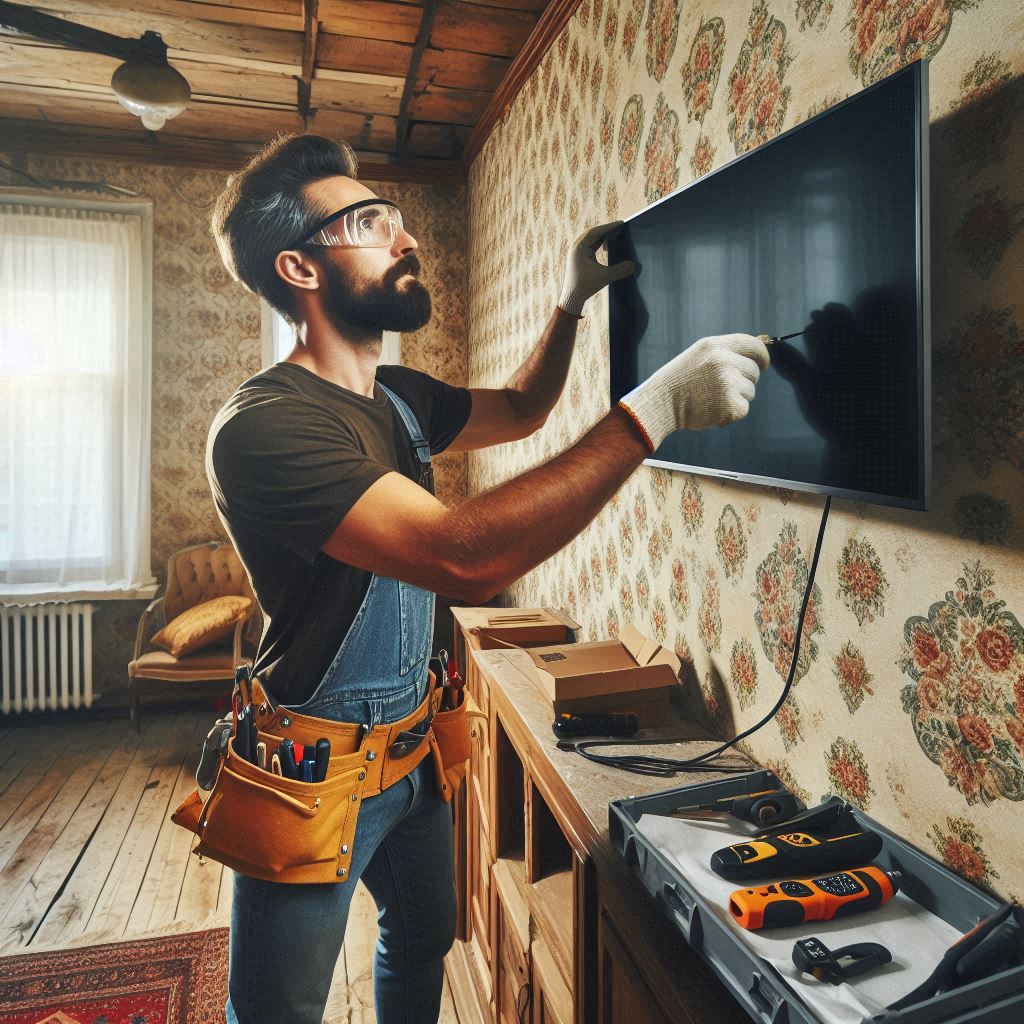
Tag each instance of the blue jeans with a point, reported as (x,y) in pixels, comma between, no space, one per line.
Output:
(289,936)
(285,938)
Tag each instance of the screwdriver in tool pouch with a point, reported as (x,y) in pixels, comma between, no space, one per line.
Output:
(813,899)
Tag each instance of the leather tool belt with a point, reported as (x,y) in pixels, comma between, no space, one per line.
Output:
(283,830)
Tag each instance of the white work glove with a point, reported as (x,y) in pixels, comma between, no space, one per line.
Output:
(711,384)
(584,276)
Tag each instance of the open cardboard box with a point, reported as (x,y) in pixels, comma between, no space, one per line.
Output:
(631,674)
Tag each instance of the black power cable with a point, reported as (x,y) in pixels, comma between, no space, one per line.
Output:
(646,764)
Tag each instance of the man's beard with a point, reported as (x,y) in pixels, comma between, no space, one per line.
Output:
(379,305)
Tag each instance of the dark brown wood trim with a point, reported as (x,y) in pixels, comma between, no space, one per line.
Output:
(311,28)
(422,38)
(20,136)
(551,22)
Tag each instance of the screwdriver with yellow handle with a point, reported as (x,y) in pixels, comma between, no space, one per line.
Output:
(797,901)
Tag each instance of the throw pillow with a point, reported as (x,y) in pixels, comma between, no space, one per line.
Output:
(202,625)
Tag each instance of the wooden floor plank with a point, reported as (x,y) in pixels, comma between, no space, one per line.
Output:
(28,765)
(178,853)
(27,910)
(117,897)
(58,771)
(47,830)
(68,918)
(11,743)
(162,883)
(102,855)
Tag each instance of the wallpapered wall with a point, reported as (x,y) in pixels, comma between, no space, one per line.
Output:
(206,341)
(910,693)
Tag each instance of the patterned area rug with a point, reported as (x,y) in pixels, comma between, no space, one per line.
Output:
(174,979)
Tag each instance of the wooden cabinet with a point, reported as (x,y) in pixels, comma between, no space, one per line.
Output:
(557,930)
(623,995)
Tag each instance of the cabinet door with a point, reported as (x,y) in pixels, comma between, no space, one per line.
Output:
(623,995)
(511,930)
(479,862)
(551,999)
(479,775)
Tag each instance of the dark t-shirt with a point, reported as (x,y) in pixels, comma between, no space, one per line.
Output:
(287,457)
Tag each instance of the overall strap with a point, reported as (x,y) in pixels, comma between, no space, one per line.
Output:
(420,445)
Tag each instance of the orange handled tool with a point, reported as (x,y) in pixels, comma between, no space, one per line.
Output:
(813,899)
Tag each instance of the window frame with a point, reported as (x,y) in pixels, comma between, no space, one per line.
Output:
(143,209)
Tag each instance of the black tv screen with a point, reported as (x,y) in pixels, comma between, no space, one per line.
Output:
(822,230)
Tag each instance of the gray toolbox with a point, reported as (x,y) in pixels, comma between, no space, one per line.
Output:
(756,984)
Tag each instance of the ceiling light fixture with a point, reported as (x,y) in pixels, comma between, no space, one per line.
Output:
(153,91)
(145,83)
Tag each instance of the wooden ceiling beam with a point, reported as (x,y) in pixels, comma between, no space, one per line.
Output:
(422,39)
(478,29)
(555,17)
(350,53)
(310,29)
(274,15)
(372,19)
(21,136)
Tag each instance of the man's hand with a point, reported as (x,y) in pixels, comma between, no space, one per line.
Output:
(711,384)
(584,276)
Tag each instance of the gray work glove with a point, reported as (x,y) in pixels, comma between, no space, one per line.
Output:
(584,276)
(711,384)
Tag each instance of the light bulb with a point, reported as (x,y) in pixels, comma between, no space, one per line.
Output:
(153,91)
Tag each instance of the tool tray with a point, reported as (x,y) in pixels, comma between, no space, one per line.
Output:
(755,983)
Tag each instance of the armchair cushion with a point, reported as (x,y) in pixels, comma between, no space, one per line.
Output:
(202,625)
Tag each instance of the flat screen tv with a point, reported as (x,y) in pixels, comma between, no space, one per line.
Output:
(822,230)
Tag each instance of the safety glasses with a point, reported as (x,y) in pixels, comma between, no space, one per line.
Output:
(367,224)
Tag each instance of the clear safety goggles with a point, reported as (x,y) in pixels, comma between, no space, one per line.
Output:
(368,223)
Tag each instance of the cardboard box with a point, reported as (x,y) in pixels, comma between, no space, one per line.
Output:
(521,627)
(633,673)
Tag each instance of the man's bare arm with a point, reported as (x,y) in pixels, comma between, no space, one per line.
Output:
(477,548)
(507,414)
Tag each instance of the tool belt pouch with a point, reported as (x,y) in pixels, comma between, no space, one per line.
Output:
(278,829)
(450,743)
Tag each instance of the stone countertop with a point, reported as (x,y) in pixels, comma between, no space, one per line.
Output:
(588,785)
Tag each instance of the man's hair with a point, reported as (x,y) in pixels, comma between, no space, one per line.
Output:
(264,209)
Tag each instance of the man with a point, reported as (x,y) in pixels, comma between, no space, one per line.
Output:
(315,481)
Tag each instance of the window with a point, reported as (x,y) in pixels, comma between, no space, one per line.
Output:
(279,339)
(75,324)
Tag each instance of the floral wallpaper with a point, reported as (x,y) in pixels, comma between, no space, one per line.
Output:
(206,341)
(909,698)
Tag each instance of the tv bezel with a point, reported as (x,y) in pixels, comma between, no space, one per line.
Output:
(918,70)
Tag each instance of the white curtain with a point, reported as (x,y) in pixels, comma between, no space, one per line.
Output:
(75,327)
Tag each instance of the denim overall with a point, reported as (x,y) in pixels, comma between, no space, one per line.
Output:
(285,939)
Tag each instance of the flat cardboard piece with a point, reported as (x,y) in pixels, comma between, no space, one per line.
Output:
(629,665)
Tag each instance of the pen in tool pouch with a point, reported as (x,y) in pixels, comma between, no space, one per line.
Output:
(288,766)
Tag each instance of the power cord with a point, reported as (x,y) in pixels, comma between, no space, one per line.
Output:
(646,764)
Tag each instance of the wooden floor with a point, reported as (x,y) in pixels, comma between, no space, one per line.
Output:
(88,853)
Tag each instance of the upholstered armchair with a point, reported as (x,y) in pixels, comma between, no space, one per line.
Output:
(195,575)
